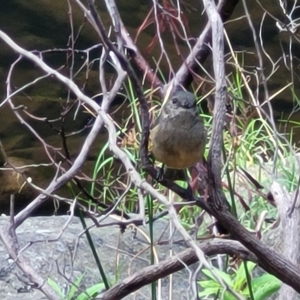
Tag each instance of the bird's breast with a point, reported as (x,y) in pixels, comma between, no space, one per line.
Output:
(179,141)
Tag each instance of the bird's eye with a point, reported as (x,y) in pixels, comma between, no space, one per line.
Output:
(174,100)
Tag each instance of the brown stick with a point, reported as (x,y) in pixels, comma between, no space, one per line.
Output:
(174,264)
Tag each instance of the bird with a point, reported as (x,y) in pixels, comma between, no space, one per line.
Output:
(178,135)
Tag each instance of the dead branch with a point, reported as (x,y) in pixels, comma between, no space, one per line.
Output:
(175,264)
(288,243)
(202,48)
(11,246)
(271,261)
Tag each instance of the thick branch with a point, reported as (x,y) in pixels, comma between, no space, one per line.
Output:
(174,264)
(288,242)
(202,49)
(270,260)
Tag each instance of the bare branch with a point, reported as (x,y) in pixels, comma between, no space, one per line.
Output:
(271,261)
(174,264)
(201,50)
(24,264)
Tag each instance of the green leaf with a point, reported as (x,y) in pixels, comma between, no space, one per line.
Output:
(222,274)
(240,277)
(228,296)
(212,286)
(91,292)
(264,286)
(208,291)
(266,290)
(209,284)
(56,288)
(74,287)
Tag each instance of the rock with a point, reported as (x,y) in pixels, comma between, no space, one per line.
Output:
(120,254)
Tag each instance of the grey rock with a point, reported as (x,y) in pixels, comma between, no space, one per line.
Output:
(68,257)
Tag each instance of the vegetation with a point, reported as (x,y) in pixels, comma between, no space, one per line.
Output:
(90,116)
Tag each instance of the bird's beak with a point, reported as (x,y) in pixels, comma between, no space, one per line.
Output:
(188,105)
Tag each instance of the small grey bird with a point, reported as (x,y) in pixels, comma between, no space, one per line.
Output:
(178,135)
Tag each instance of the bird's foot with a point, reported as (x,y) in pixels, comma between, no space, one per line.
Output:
(160,174)
(189,193)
